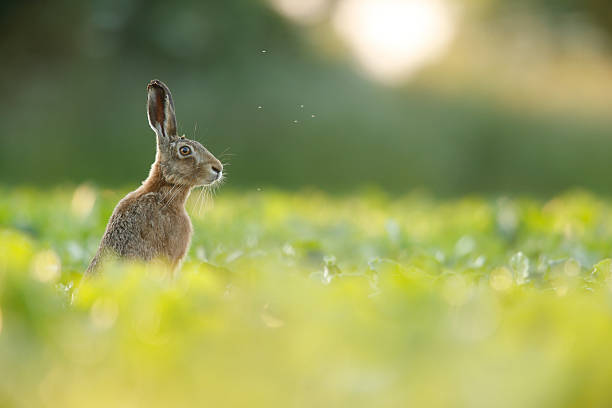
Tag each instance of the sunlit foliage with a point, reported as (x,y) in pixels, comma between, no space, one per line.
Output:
(304,299)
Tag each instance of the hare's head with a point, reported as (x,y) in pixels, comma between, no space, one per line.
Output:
(182,161)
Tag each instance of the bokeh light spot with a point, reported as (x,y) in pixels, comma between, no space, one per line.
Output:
(104,313)
(301,11)
(46,266)
(83,200)
(501,279)
(456,290)
(392,39)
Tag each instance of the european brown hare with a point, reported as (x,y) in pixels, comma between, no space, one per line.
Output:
(151,222)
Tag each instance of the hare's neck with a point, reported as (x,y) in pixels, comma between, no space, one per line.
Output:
(173,194)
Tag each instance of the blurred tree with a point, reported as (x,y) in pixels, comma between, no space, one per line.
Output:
(76,73)
(598,12)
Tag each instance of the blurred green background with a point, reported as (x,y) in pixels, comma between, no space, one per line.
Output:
(451,96)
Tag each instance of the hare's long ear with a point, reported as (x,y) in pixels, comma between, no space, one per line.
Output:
(160,110)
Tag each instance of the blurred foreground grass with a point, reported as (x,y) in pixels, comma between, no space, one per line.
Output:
(303,299)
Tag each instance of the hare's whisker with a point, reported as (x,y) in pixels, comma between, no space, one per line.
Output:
(170,193)
(166,195)
(175,195)
(175,191)
(211,201)
(196,205)
(203,201)
(225,153)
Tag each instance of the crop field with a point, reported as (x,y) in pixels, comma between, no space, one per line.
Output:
(305,299)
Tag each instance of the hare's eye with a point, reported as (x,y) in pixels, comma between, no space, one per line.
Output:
(185,150)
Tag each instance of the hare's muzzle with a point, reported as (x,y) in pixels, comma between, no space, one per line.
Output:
(217,170)
(209,168)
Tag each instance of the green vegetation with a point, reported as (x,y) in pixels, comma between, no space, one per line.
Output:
(305,299)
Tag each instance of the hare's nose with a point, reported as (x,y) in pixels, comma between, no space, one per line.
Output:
(217,168)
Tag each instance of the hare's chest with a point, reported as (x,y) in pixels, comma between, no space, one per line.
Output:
(177,237)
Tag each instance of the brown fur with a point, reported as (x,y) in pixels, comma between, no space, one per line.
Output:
(151,222)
